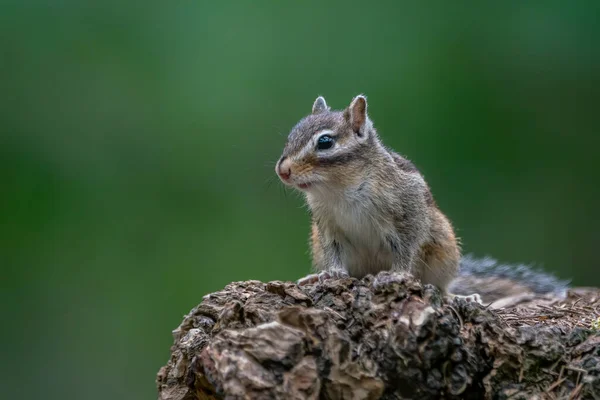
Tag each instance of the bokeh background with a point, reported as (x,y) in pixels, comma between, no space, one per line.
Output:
(138,140)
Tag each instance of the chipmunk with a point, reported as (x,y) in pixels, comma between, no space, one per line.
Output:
(372,209)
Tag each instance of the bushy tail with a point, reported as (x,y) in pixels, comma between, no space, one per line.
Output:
(493,280)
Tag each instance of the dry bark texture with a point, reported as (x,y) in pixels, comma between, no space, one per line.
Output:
(379,338)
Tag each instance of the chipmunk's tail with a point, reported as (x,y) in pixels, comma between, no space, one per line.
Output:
(496,282)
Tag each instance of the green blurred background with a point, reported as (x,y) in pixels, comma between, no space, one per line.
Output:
(138,143)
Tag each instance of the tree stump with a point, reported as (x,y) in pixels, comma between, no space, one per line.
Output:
(383,337)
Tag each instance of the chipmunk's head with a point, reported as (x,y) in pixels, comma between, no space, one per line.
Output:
(327,148)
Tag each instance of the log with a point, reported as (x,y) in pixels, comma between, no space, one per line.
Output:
(383,337)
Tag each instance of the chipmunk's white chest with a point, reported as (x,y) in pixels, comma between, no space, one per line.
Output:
(356,223)
(360,231)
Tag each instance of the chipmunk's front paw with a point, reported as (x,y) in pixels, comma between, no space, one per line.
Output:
(308,280)
(333,274)
(322,276)
(472,298)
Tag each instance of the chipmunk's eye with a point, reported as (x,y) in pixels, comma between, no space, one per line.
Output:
(325,142)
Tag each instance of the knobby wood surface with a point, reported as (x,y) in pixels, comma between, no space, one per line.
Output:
(383,337)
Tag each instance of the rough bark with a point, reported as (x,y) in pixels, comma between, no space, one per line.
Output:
(386,337)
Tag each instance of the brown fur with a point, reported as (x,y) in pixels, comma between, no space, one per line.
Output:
(315,246)
(440,256)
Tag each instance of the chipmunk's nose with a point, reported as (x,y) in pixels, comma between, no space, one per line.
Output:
(283,168)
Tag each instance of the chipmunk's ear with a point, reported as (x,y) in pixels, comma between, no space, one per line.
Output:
(356,114)
(319,105)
